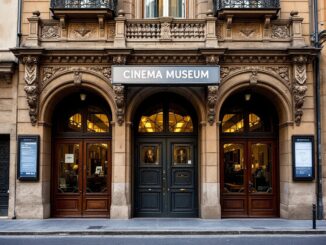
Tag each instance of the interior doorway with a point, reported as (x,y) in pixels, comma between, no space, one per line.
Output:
(81,176)
(165,169)
(249,162)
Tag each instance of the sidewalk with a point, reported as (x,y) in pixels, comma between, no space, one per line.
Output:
(155,226)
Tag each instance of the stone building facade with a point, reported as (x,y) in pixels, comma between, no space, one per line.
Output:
(8,101)
(124,150)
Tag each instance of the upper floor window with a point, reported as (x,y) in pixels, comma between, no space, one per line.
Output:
(159,8)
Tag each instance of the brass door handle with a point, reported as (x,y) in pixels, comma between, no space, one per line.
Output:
(182,189)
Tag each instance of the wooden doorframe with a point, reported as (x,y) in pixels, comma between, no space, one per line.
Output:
(247,142)
(82,194)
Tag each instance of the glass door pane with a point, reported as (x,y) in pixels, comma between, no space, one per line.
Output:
(68,168)
(261,168)
(96,167)
(234,168)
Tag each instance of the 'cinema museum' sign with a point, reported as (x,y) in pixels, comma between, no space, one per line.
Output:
(169,75)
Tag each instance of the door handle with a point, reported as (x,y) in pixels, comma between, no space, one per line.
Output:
(149,189)
(182,189)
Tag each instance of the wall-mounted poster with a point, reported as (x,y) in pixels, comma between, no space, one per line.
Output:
(28,157)
(303,157)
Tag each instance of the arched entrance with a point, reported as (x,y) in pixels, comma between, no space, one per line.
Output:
(81,174)
(165,158)
(249,162)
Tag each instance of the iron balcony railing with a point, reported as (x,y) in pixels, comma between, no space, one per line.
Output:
(84,4)
(246,4)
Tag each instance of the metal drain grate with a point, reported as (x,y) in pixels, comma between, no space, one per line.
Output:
(95,227)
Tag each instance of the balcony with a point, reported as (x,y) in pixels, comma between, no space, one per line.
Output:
(83,8)
(246,8)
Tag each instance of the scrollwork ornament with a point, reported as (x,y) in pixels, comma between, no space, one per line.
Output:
(32,86)
(119,91)
(119,59)
(212,59)
(211,102)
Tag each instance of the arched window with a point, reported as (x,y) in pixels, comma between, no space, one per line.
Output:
(74,116)
(166,116)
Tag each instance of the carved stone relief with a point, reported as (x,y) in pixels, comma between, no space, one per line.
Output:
(299,88)
(280,71)
(219,31)
(280,32)
(119,59)
(82,31)
(119,91)
(50,31)
(165,31)
(111,30)
(31,88)
(211,103)
(246,31)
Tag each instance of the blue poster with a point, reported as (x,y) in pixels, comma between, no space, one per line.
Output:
(28,158)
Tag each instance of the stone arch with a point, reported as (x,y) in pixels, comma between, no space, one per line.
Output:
(197,102)
(268,85)
(61,86)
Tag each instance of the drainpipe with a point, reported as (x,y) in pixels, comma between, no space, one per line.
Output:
(19,34)
(319,187)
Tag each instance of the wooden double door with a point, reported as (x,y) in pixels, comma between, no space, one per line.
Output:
(165,177)
(82,178)
(249,180)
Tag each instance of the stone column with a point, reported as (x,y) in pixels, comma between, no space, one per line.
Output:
(120,39)
(201,8)
(33,37)
(129,8)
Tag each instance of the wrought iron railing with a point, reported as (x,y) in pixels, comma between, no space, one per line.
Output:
(84,4)
(246,4)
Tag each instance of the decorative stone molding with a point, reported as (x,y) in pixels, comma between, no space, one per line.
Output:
(119,91)
(76,59)
(299,88)
(82,31)
(167,59)
(77,77)
(212,59)
(280,31)
(50,31)
(282,72)
(119,59)
(211,103)
(32,88)
(165,31)
(48,73)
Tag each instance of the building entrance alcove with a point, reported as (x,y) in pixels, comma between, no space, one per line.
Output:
(165,158)
(81,172)
(249,159)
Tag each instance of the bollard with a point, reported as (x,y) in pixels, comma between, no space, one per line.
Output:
(314,215)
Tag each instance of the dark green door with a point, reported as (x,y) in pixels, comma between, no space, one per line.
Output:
(165,177)
(4,174)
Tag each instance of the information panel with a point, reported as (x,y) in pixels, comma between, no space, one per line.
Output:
(303,157)
(28,157)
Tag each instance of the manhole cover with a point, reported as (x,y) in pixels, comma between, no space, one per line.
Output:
(95,227)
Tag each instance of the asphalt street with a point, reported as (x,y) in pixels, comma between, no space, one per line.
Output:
(166,240)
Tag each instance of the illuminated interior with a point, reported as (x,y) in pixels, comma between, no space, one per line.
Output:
(97,123)
(179,123)
(75,122)
(232,123)
(152,123)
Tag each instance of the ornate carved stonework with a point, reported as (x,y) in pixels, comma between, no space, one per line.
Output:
(280,32)
(281,72)
(299,88)
(211,103)
(165,31)
(50,72)
(253,78)
(167,59)
(219,31)
(77,77)
(246,31)
(32,88)
(212,59)
(119,91)
(50,31)
(119,59)
(83,31)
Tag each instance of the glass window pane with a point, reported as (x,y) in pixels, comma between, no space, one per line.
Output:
(152,122)
(177,8)
(180,123)
(73,123)
(151,7)
(68,168)
(261,168)
(97,168)
(233,123)
(233,168)
(97,121)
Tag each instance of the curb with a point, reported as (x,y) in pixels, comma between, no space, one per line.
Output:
(162,232)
